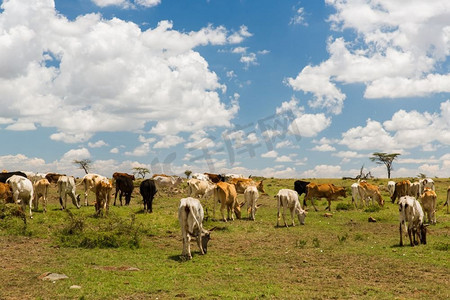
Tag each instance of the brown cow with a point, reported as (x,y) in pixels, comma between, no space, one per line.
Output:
(326,190)
(225,193)
(367,190)
(6,193)
(428,199)
(401,189)
(117,174)
(215,178)
(53,177)
(242,183)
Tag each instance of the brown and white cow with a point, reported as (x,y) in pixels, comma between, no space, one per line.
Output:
(325,190)
(66,186)
(22,190)
(242,183)
(369,191)
(401,189)
(53,177)
(167,183)
(215,178)
(89,183)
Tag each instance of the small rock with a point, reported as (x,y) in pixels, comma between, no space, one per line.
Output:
(305,261)
(180,295)
(75,287)
(52,276)
(372,220)
(338,276)
(327,215)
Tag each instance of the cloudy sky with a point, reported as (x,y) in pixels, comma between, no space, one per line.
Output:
(295,89)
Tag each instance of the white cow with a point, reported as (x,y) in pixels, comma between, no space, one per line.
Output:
(89,182)
(41,190)
(426,183)
(22,189)
(200,189)
(391,187)
(66,186)
(355,194)
(190,216)
(251,195)
(200,176)
(411,212)
(289,199)
(167,182)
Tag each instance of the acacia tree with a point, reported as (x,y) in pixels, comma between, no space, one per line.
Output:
(187,173)
(84,164)
(141,171)
(386,159)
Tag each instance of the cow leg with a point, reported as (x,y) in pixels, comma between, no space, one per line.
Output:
(150,203)
(284,216)
(401,234)
(278,214)
(222,211)
(61,203)
(410,237)
(292,217)
(329,205)
(36,202)
(312,202)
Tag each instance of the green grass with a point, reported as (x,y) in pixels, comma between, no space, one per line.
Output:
(340,256)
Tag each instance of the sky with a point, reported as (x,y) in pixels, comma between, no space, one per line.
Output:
(285,89)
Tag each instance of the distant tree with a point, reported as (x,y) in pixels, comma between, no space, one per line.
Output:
(141,171)
(187,173)
(386,159)
(84,164)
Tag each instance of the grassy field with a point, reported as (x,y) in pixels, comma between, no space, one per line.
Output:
(132,255)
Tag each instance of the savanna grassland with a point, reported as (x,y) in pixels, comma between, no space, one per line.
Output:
(132,255)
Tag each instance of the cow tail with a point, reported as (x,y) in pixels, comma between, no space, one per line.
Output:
(188,211)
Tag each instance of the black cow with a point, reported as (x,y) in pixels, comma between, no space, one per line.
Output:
(300,188)
(4,176)
(148,191)
(125,186)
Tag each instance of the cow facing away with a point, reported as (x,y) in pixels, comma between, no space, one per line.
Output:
(225,193)
(124,187)
(22,190)
(288,199)
(355,194)
(428,199)
(411,220)
(53,177)
(66,186)
(168,183)
(190,216)
(103,189)
(41,190)
(391,187)
(401,189)
(251,195)
(325,190)
(148,190)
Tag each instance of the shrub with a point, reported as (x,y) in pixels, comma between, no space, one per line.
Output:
(344,206)
(372,208)
(316,242)
(300,244)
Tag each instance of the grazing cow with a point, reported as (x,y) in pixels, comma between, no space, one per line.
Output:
(428,199)
(66,186)
(117,174)
(148,191)
(53,177)
(300,188)
(225,193)
(326,190)
(167,182)
(367,190)
(411,212)
(5,175)
(228,177)
(251,195)
(103,189)
(242,183)
(401,189)
(89,182)
(289,199)
(22,189)
(200,176)
(447,203)
(6,193)
(124,186)
(426,183)
(190,216)
(41,190)
(355,194)
(199,188)
(391,187)
(414,189)
(215,178)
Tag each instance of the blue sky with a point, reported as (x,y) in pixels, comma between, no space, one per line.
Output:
(293,89)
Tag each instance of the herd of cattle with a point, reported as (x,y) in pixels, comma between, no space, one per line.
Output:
(28,188)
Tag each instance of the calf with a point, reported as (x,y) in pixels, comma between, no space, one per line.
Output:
(428,199)
(148,191)
(6,193)
(124,186)
(103,189)
(190,216)
(22,189)
(66,186)
(289,199)
(89,182)
(225,193)
(411,212)
(41,190)
(251,195)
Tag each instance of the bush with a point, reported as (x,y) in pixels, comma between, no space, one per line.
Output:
(372,208)
(344,206)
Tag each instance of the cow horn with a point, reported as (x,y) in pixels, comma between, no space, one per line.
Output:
(212,229)
(242,204)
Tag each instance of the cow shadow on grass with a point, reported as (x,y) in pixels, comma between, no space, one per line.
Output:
(180,258)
